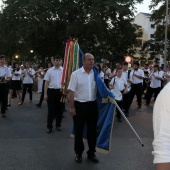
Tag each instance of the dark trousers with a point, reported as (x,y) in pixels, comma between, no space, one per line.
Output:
(106,81)
(120,103)
(24,90)
(3,94)
(6,96)
(136,89)
(126,102)
(150,93)
(86,112)
(42,94)
(55,107)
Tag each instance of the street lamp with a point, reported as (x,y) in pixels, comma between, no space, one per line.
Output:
(31,51)
(16,56)
(166,31)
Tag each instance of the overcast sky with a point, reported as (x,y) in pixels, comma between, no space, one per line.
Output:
(140,7)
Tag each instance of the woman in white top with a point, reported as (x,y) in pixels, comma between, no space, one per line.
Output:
(40,76)
(100,71)
(15,83)
(28,75)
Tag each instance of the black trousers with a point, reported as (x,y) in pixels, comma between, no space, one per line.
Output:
(3,95)
(42,94)
(106,81)
(55,107)
(150,93)
(126,102)
(86,112)
(24,90)
(136,89)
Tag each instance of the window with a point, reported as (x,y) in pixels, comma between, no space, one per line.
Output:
(152,25)
(152,36)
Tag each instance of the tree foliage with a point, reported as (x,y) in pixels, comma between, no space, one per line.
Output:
(103,27)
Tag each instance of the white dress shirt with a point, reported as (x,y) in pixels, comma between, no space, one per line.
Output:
(161,126)
(84,85)
(125,74)
(27,78)
(118,83)
(134,79)
(16,77)
(155,83)
(54,76)
(107,70)
(5,72)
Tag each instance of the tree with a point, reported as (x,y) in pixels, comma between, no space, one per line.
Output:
(103,27)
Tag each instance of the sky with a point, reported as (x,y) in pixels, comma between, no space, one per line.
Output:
(140,7)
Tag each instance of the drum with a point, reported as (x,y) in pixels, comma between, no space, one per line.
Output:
(117,94)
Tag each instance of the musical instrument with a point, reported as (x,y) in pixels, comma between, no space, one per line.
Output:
(128,87)
(117,94)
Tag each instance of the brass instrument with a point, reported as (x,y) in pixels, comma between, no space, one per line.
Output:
(147,81)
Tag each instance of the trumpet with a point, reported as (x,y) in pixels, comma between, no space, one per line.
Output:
(147,81)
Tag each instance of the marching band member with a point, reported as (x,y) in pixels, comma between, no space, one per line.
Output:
(100,71)
(5,77)
(40,76)
(83,107)
(120,84)
(28,75)
(167,74)
(107,72)
(53,94)
(136,77)
(155,85)
(15,83)
(126,96)
(49,65)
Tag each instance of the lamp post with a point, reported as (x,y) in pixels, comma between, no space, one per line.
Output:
(166,31)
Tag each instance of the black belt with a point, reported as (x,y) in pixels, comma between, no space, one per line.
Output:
(53,89)
(136,84)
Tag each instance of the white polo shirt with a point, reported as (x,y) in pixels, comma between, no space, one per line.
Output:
(155,83)
(54,76)
(84,85)
(27,79)
(16,77)
(5,72)
(161,126)
(118,83)
(125,74)
(134,79)
(107,70)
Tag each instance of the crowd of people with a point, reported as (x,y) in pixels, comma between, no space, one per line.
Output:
(145,83)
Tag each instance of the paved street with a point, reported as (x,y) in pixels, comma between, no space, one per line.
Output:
(25,145)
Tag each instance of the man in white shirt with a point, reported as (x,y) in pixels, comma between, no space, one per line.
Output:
(83,107)
(53,94)
(155,85)
(126,96)
(28,75)
(120,84)
(136,77)
(161,127)
(5,76)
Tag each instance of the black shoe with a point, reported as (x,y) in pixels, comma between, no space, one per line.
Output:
(146,104)
(93,158)
(8,105)
(38,105)
(58,128)
(3,114)
(49,130)
(126,114)
(139,107)
(78,158)
(119,120)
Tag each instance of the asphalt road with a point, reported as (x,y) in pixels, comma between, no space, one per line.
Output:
(25,145)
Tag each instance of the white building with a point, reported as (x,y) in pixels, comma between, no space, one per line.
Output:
(148,28)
